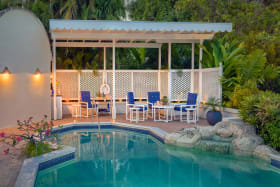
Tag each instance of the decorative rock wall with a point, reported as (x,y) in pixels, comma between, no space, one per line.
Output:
(232,136)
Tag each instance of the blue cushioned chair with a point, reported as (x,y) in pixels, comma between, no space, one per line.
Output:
(130,103)
(153,98)
(86,103)
(191,106)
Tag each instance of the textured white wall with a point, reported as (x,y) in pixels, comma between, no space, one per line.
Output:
(24,46)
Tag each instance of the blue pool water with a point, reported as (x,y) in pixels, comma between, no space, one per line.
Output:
(123,158)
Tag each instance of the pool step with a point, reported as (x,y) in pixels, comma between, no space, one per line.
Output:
(214,146)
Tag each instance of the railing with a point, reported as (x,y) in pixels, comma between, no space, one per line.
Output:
(71,82)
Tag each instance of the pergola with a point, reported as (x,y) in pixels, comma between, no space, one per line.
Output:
(131,34)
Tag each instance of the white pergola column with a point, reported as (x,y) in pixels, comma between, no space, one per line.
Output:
(114,82)
(54,79)
(169,73)
(159,68)
(200,71)
(192,72)
(104,67)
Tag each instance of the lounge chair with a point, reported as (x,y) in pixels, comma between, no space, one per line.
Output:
(86,102)
(191,106)
(130,103)
(153,98)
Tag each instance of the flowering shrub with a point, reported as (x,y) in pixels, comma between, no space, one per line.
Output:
(34,134)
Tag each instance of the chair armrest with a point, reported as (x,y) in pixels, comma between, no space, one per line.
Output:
(83,103)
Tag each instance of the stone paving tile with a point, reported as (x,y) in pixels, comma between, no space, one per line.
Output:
(10,164)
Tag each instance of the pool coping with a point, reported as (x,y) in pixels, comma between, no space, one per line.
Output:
(31,166)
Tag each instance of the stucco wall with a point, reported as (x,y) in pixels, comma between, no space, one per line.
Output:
(24,46)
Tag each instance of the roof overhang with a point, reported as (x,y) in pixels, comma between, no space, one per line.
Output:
(95,33)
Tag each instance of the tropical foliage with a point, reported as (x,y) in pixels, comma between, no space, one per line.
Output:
(263,110)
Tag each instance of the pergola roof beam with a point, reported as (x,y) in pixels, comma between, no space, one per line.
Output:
(108,44)
(132,36)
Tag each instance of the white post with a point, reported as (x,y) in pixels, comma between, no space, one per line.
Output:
(220,83)
(79,86)
(114,81)
(192,72)
(54,80)
(200,71)
(159,67)
(104,68)
(169,72)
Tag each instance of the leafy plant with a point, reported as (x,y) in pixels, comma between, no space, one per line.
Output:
(213,104)
(263,111)
(35,135)
(164,100)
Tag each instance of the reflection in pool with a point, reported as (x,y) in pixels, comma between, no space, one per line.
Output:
(123,158)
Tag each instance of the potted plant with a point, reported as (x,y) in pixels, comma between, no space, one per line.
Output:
(214,107)
(164,100)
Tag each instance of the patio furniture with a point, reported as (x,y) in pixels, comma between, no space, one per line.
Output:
(86,102)
(153,98)
(130,103)
(76,110)
(191,106)
(104,104)
(132,111)
(167,112)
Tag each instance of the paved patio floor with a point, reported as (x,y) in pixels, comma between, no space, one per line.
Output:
(10,164)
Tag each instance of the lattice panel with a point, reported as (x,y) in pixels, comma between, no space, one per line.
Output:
(181,85)
(144,82)
(123,83)
(210,84)
(67,84)
(163,84)
(90,81)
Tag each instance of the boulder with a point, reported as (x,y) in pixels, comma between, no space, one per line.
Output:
(245,145)
(239,128)
(188,140)
(172,137)
(224,132)
(222,124)
(207,132)
(264,152)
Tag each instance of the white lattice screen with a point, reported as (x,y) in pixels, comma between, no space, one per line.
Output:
(181,84)
(210,83)
(67,84)
(90,81)
(140,82)
(144,82)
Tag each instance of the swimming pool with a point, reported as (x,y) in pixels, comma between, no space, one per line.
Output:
(125,158)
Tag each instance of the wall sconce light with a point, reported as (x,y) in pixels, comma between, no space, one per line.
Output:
(37,75)
(37,72)
(6,71)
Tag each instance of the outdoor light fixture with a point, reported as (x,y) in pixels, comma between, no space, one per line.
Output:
(5,74)
(37,72)
(6,71)
(37,75)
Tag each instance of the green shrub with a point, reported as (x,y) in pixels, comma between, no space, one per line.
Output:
(263,111)
(31,149)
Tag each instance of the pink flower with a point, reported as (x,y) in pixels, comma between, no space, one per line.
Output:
(48,132)
(2,134)
(18,138)
(6,151)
